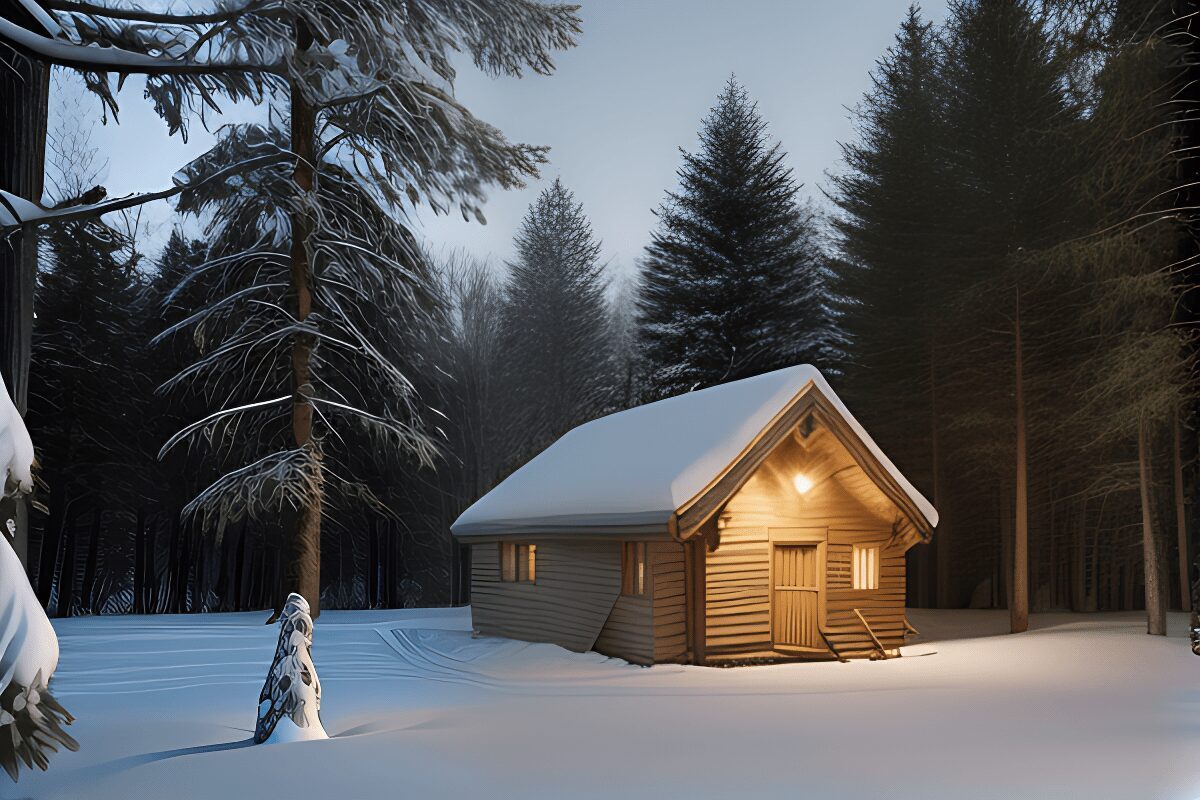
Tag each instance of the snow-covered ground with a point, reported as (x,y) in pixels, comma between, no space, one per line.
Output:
(1082,706)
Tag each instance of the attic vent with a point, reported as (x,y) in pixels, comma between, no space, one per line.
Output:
(805,429)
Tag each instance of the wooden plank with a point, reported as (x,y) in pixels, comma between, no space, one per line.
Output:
(874,638)
(576,587)
(669,602)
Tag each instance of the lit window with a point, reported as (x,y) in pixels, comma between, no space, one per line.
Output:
(866,567)
(518,562)
(633,568)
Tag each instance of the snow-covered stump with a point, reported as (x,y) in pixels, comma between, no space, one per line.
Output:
(31,720)
(290,703)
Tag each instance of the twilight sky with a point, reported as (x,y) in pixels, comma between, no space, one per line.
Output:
(620,104)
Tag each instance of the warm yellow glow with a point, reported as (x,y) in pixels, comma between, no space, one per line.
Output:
(802,483)
(866,566)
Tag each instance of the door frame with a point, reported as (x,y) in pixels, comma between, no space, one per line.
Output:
(783,537)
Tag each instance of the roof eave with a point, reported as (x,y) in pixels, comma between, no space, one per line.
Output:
(689,517)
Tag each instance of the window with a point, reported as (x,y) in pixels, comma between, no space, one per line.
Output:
(866,566)
(518,562)
(633,568)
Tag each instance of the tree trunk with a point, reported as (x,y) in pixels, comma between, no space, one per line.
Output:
(941,554)
(66,576)
(1156,611)
(88,590)
(24,101)
(153,578)
(239,566)
(302,572)
(199,591)
(1181,534)
(1079,561)
(51,538)
(372,563)
(183,567)
(139,562)
(1052,561)
(255,578)
(1018,611)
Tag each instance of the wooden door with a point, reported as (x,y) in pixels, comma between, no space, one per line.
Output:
(795,595)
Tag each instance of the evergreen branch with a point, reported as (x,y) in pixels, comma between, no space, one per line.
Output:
(24,212)
(115,59)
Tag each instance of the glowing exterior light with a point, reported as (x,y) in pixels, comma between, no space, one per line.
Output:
(802,483)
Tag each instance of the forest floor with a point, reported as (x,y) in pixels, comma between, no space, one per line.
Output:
(1081,706)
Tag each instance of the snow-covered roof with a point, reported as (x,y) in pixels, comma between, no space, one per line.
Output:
(636,468)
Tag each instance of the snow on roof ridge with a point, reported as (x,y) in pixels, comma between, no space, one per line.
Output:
(638,466)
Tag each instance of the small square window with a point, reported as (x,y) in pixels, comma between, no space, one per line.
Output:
(633,568)
(518,562)
(866,566)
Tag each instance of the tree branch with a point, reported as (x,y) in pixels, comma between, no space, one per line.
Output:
(16,211)
(142,15)
(114,59)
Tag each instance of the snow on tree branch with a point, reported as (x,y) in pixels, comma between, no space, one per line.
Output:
(111,59)
(16,211)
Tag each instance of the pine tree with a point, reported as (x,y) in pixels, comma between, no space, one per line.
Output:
(24,106)
(1128,365)
(86,396)
(1013,165)
(891,273)
(556,345)
(622,315)
(372,130)
(734,281)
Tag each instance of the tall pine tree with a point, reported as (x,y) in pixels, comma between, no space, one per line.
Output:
(890,276)
(555,325)
(1013,164)
(734,281)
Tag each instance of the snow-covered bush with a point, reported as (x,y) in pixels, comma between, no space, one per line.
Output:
(290,703)
(31,720)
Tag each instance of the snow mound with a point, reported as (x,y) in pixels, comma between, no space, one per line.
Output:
(16,449)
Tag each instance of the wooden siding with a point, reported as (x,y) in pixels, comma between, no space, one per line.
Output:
(650,628)
(628,632)
(737,594)
(883,608)
(843,508)
(670,602)
(577,585)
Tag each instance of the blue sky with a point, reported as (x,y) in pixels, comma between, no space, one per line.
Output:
(618,107)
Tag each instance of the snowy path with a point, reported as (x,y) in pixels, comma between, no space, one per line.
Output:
(1083,706)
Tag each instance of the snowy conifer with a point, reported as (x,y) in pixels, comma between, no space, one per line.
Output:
(734,281)
(892,271)
(306,211)
(555,327)
(289,705)
(31,720)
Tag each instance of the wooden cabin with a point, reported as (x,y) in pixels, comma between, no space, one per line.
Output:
(753,521)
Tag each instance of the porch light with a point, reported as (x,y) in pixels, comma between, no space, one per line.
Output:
(802,483)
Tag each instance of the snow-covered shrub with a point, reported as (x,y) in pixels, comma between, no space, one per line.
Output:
(290,703)
(31,720)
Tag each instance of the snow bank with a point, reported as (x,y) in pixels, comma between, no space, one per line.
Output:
(1081,706)
(16,449)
